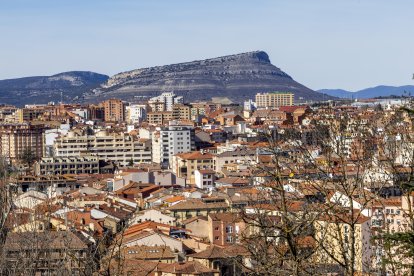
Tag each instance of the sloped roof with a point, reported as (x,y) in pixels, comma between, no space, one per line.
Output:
(197,204)
(195,155)
(44,241)
(218,252)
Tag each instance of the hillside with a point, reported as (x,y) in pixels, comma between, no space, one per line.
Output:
(43,89)
(237,77)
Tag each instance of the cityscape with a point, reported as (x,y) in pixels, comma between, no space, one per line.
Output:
(221,166)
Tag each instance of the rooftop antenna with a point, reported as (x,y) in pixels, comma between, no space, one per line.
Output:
(61,97)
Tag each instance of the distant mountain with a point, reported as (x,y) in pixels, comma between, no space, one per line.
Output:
(237,77)
(44,89)
(378,91)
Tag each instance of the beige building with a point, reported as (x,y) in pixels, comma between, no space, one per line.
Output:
(334,236)
(181,112)
(157,106)
(198,207)
(114,110)
(274,99)
(159,118)
(67,165)
(118,147)
(17,139)
(185,164)
(29,114)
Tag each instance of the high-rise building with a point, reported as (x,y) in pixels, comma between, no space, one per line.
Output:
(114,110)
(136,113)
(274,99)
(169,99)
(172,140)
(16,140)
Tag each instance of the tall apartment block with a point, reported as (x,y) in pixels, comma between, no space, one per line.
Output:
(17,139)
(172,140)
(114,110)
(274,99)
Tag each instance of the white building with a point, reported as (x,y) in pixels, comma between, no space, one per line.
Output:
(81,112)
(169,99)
(204,179)
(249,105)
(174,139)
(136,113)
(50,137)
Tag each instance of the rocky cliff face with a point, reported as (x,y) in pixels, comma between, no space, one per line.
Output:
(44,89)
(237,77)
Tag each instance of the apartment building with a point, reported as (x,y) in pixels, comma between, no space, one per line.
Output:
(121,148)
(159,118)
(18,139)
(225,228)
(334,234)
(156,106)
(274,99)
(198,110)
(29,114)
(52,185)
(237,156)
(67,165)
(96,112)
(54,251)
(181,112)
(172,140)
(186,164)
(114,110)
(205,179)
(169,99)
(136,113)
(198,207)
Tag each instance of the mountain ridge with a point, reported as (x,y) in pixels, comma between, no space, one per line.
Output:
(371,92)
(43,89)
(238,77)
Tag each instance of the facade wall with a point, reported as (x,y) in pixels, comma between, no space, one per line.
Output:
(121,148)
(114,110)
(276,99)
(18,139)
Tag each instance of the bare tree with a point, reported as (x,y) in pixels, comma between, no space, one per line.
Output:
(300,232)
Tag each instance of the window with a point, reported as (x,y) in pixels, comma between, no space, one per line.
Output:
(229,229)
(397,212)
(216,238)
(346,239)
(229,239)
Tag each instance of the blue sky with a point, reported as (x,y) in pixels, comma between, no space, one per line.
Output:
(350,44)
